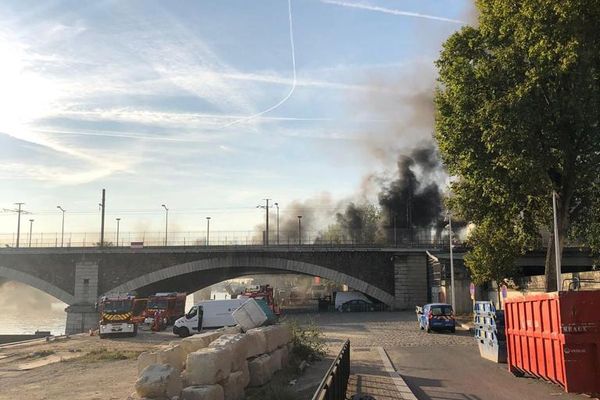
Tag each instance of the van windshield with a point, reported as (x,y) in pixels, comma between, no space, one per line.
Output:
(192,312)
(441,310)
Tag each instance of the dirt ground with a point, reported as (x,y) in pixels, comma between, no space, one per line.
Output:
(71,368)
(74,368)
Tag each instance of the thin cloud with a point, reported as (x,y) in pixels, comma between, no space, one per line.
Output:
(391,11)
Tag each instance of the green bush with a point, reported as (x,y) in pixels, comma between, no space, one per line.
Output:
(307,341)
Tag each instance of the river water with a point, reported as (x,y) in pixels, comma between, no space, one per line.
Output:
(24,310)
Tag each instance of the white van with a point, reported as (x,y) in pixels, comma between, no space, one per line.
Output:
(207,314)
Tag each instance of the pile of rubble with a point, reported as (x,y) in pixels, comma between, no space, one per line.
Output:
(216,365)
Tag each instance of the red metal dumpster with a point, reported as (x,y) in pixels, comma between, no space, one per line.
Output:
(556,336)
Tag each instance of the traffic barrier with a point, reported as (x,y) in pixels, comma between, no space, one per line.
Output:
(489,331)
(556,337)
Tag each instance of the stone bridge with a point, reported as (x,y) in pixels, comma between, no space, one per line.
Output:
(78,276)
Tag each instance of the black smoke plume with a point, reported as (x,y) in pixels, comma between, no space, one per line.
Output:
(413,199)
(358,223)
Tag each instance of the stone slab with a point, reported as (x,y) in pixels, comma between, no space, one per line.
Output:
(203,392)
(159,381)
(208,366)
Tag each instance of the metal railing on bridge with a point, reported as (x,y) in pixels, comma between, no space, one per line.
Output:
(401,238)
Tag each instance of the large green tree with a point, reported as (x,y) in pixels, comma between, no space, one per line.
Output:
(493,254)
(518,106)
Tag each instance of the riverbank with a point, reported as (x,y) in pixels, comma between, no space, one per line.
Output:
(81,367)
(9,338)
(86,367)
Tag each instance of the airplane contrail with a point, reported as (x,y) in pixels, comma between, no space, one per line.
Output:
(369,7)
(294,80)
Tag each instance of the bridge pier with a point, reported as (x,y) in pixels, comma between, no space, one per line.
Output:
(410,280)
(82,315)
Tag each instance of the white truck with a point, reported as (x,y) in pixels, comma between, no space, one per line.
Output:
(207,314)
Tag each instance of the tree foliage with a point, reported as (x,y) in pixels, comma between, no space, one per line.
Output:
(494,252)
(517,105)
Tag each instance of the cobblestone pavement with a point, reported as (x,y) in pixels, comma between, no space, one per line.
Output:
(382,329)
(434,366)
(370,335)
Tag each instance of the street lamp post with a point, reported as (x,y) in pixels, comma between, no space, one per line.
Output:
(19,211)
(118,223)
(103,208)
(300,229)
(451,264)
(266,207)
(207,230)
(30,230)
(62,226)
(277,205)
(166,223)
(556,242)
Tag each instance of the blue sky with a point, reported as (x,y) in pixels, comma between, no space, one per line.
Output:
(151,99)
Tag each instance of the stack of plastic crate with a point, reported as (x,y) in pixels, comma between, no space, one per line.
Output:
(490,331)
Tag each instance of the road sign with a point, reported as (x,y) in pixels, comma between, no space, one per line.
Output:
(504,291)
(472,290)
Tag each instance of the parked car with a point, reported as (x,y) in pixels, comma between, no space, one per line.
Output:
(357,305)
(341,298)
(436,317)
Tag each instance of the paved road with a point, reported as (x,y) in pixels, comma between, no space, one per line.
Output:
(457,372)
(435,366)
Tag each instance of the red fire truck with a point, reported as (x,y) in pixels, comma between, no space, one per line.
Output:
(164,309)
(139,306)
(116,315)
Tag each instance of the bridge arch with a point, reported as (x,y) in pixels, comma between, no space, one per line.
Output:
(37,283)
(243,264)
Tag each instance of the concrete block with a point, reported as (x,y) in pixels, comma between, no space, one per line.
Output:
(233,386)
(197,342)
(275,361)
(208,366)
(239,346)
(203,392)
(159,381)
(175,356)
(245,374)
(229,330)
(146,358)
(260,370)
(257,342)
(276,336)
(285,356)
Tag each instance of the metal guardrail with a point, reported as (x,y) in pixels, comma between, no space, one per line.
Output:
(416,237)
(335,383)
